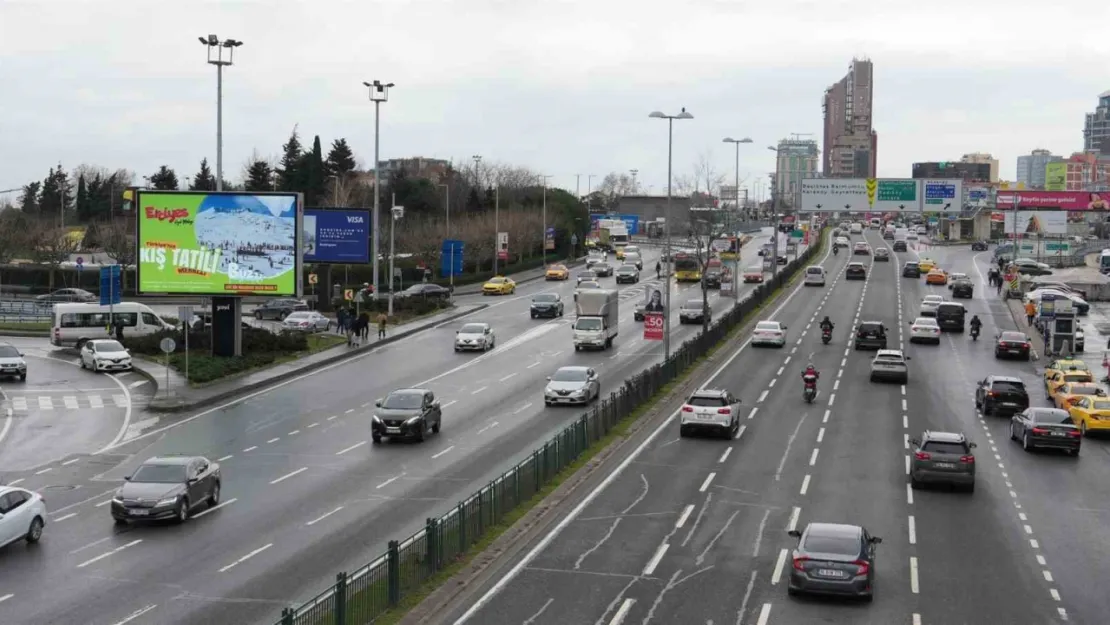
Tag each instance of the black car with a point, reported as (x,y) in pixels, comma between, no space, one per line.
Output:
(942,458)
(1031,267)
(962,289)
(900,245)
(782,260)
(167,487)
(911,269)
(427,291)
(602,269)
(279,308)
(628,273)
(1046,428)
(979,246)
(870,334)
(950,316)
(833,559)
(712,279)
(855,271)
(638,311)
(546,305)
(1001,395)
(406,413)
(1013,345)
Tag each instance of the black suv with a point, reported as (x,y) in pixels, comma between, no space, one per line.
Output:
(900,245)
(942,458)
(712,279)
(911,269)
(1001,395)
(950,316)
(406,413)
(871,334)
(963,289)
(855,271)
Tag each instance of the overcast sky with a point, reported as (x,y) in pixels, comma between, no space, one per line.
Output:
(562,87)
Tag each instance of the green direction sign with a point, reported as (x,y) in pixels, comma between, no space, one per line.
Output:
(897,191)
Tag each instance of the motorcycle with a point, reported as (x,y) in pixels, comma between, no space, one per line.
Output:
(809,392)
(974,333)
(836,250)
(826,335)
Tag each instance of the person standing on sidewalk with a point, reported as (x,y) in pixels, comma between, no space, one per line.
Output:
(1030,311)
(341,320)
(382,319)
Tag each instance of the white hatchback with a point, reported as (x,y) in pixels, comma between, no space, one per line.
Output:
(769,333)
(105,355)
(925,329)
(929,305)
(22,515)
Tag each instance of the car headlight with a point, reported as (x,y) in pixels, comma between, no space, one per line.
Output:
(376,419)
(413,420)
(168,501)
(580,391)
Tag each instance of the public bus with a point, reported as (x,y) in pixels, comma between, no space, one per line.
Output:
(686,268)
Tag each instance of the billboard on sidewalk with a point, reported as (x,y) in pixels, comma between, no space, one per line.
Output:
(336,236)
(828,195)
(218,244)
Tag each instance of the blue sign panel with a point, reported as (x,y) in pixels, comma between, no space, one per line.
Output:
(940,193)
(336,236)
(451,257)
(111,285)
(632,222)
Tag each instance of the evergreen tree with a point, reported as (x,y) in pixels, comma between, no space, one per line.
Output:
(260,177)
(84,209)
(315,178)
(55,194)
(204,180)
(29,198)
(473,202)
(165,179)
(291,170)
(341,160)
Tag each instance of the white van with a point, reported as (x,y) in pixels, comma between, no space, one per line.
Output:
(856,228)
(76,323)
(815,275)
(876,223)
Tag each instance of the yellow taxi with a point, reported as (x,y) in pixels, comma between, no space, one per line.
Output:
(620,252)
(1063,378)
(557,272)
(1063,364)
(926,264)
(1066,394)
(936,276)
(1090,413)
(499,285)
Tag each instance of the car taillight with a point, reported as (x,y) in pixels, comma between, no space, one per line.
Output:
(724,411)
(992,394)
(1039,431)
(921,455)
(687,409)
(1075,433)
(799,563)
(862,567)
(967,459)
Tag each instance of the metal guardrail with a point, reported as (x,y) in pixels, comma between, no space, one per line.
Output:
(25,311)
(360,597)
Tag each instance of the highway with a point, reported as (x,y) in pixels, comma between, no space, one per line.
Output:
(695,530)
(305,494)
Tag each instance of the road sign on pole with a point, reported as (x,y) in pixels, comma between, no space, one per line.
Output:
(110,285)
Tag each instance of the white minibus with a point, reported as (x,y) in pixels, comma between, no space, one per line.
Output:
(76,323)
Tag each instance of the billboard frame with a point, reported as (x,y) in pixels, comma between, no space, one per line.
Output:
(298,262)
(867,188)
(367,214)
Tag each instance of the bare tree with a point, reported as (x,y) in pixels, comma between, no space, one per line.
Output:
(703,236)
(706,177)
(613,186)
(50,245)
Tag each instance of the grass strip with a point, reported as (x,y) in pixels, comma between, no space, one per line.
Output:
(26,326)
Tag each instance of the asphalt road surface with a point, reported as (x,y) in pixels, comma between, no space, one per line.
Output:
(305,494)
(695,530)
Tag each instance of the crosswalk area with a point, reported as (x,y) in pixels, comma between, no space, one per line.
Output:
(23,403)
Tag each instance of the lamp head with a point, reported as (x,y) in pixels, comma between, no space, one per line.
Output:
(657,114)
(398,212)
(213,40)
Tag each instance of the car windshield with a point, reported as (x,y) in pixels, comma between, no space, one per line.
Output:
(1077,377)
(569,375)
(707,401)
(911,265)
(416,288)
(160,474)
(556,268)
(589,285)
(587,323)
(546,297)
(933,299)
(925,321)
(301,316)
(815,270)
(628,268)
(844,545)
(1083,390)
(497,281)
(1013,337)
(692,304)
(771,326)
(108,346)
(472,328)
(403,401)
(7,351)
(944,447)
(1008,386)
(1050,415)
(1101,404)
(889,359)
(1077,365)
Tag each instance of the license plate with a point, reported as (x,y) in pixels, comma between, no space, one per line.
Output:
(393,430)
(1015,351)
(1059,434)
(945,465)
(705,416)
(140,512)
(831,573)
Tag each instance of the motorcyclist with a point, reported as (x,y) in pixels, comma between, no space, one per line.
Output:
(836,249)
(811,371)
(827,324)
(976,324)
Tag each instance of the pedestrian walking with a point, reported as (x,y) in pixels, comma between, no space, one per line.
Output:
(382,319)
(1030,311)
(356,331)
(341,320)
(364,326)
(998,286)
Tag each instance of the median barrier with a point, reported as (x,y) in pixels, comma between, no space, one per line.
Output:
(360,597)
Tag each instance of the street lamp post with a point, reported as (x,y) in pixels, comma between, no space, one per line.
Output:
(667,223)
(736,188)
(775,217)
(447,233)
(379,92)
(543,233)
(397,212)
(216,50)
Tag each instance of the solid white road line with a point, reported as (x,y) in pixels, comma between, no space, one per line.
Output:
(137,383)
(273,440)
(252,448)
(389,481)
(351,448)
(215,508)
(294,433)
(63,518)
(684,516)
(434,456)
(108,553)
(137,613)
(916,619)
(14,482)
(508,377)
(476,391)
(348,411)
(322,517)
(46,470)
(780,564)
(6,597)
(656,559)
(103,503)
(289,475)
(246,557)
(227,457)
(622,613)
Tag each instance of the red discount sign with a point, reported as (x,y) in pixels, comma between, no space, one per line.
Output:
(653,326)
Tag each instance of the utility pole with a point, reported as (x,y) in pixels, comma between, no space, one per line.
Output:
(379,92)
(216,50)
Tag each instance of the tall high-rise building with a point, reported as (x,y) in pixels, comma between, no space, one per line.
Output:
(980,158)
(851,144)
(1096,127)
(1031,168)
(797,159)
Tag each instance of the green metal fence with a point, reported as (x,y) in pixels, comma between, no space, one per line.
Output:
(360,597)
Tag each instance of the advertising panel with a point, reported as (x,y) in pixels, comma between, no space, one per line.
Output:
(219,244)
(336,236)
(502,246)
(632,222)
(943,195)
(860,194)
(1066,200)
(1037,222)
(653,326)
(1056,176)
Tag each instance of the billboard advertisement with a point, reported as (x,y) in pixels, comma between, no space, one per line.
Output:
(1037,222)
(942,195)
(1056,176)
(336,235)
(218,244)
(860,194)
(1066,200)
(632,222)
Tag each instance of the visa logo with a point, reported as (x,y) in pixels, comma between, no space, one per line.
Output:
(357,219)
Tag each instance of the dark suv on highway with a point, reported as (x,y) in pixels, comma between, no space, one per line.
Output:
(950,316)
(406,413)
(1001,395)
(942,458)
(871,334)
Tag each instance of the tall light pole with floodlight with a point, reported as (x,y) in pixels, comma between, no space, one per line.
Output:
(736,188)
(216,56)
(543,233)
(667,222)
(379,92)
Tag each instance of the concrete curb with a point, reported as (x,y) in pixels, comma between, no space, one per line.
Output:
(1017,311)
(177,404)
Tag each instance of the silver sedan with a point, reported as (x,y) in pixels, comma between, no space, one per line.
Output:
(310,321)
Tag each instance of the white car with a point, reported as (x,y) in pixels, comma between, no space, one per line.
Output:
(921,230)
(956,277)
(890,364)
(1078,303)
(12,363)
(105,355)
(815,275)
(594,259)
(22,515)
(475,337)
(769,333)
(911,236)
(929,305)
(856,228)
(711,410)
(306,321)
(842,242)
(862,248)
(572,385)
(925,329)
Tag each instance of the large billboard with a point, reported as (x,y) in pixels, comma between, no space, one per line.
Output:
(942,196)
(336,236)
(1066,200)
(1056,176)
(828,195)
(218,244)
(1038,222)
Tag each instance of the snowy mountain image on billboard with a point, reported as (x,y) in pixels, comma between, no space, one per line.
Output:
(256,233)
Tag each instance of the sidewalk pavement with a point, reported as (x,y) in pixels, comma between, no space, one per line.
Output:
(181,396)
